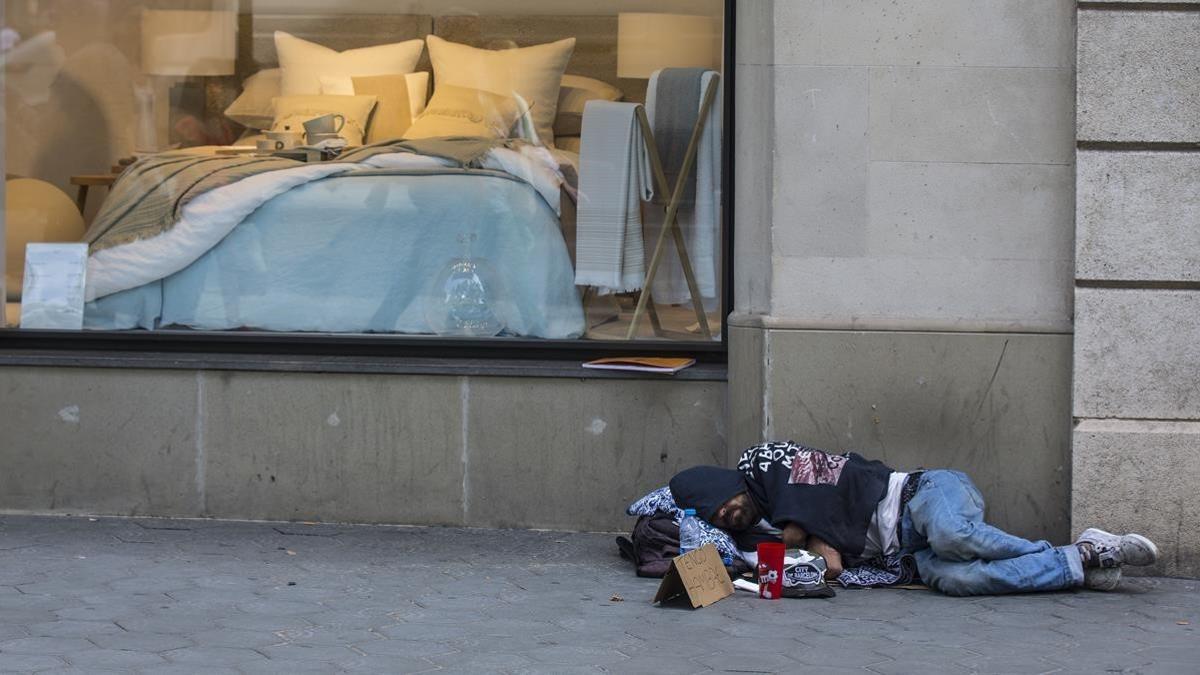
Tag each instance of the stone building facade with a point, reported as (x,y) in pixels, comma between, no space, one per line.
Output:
(1136,442)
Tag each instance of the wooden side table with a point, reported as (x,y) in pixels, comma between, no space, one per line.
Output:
(86,181)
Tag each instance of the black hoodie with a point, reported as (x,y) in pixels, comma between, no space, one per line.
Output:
(831,496)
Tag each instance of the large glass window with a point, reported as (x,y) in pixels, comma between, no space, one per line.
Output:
(531,169)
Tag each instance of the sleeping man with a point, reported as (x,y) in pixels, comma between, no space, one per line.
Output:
(849,509)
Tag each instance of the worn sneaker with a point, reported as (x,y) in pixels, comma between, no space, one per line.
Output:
(1111,550)
(1102,578)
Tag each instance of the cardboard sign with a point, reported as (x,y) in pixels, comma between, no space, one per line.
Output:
(699,576)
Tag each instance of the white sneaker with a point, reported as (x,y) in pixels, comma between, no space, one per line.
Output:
(1102,578)
(1113,550)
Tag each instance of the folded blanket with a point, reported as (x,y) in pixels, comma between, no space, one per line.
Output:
(614,179)
(699,215)
(676,93)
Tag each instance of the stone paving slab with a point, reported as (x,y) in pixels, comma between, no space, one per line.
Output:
(186,596)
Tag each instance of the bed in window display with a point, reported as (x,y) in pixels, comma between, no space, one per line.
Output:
(447,206)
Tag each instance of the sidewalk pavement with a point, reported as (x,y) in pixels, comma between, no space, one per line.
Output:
(195,596)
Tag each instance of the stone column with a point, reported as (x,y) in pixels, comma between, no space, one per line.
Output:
(903,242)
(1137,275)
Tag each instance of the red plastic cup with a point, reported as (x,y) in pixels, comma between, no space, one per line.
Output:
(770,570)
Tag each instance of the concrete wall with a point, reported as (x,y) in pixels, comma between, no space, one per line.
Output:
(1137,291)
(904,239)
(475,451)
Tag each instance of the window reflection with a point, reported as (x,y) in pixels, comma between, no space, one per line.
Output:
(477,168)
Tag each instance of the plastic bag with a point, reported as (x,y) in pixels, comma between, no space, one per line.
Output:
(804,575)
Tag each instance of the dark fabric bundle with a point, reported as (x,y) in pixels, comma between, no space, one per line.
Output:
(655,543)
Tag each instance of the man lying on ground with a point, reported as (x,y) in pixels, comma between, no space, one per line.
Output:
(849,509)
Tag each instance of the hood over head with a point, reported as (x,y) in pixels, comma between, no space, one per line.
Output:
(706,488)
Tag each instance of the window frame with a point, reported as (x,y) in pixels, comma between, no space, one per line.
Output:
(380,345)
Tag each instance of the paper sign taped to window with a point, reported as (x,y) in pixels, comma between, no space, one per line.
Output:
(52,290)
(698,576)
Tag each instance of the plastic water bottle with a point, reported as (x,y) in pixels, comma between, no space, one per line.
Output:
(689,532)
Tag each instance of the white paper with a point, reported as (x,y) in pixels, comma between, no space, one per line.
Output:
(743,585)
(52,292)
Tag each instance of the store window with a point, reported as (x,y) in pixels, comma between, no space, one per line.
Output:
(541,170)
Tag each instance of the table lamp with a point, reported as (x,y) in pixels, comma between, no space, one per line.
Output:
(178,44)
(647,42)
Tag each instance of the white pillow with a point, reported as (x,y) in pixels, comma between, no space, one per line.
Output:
(532,73)
(418,88)
(303,62)
(252,108)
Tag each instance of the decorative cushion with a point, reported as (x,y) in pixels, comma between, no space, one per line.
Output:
(416,83)
(304,63)
(252,108)
(291,112)
(575,92)
(532,73)
(462,111)
(393,113)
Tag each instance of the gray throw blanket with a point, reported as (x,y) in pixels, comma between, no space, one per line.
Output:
(147,199)
(614,180)
(676,110)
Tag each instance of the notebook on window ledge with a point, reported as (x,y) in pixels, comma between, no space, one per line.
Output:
(641,364)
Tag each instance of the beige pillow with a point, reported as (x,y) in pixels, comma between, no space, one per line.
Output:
(462,111)
(393,115)
(252,108)
(533,73)
(417,84)
(292,112)
(303,62)
(575,92)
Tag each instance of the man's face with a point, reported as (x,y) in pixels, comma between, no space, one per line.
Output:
(737,514)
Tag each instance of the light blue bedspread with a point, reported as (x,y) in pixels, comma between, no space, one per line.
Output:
(356,253)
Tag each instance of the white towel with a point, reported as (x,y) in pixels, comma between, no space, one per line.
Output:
(614,179)
(701,223)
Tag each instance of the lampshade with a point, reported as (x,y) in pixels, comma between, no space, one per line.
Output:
(647,42)
(189,42)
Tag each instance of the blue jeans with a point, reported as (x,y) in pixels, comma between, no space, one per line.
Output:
(959,554)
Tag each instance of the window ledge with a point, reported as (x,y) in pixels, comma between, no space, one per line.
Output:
(709,372)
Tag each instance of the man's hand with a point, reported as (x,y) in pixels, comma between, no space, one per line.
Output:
(833,559)
(794,536)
